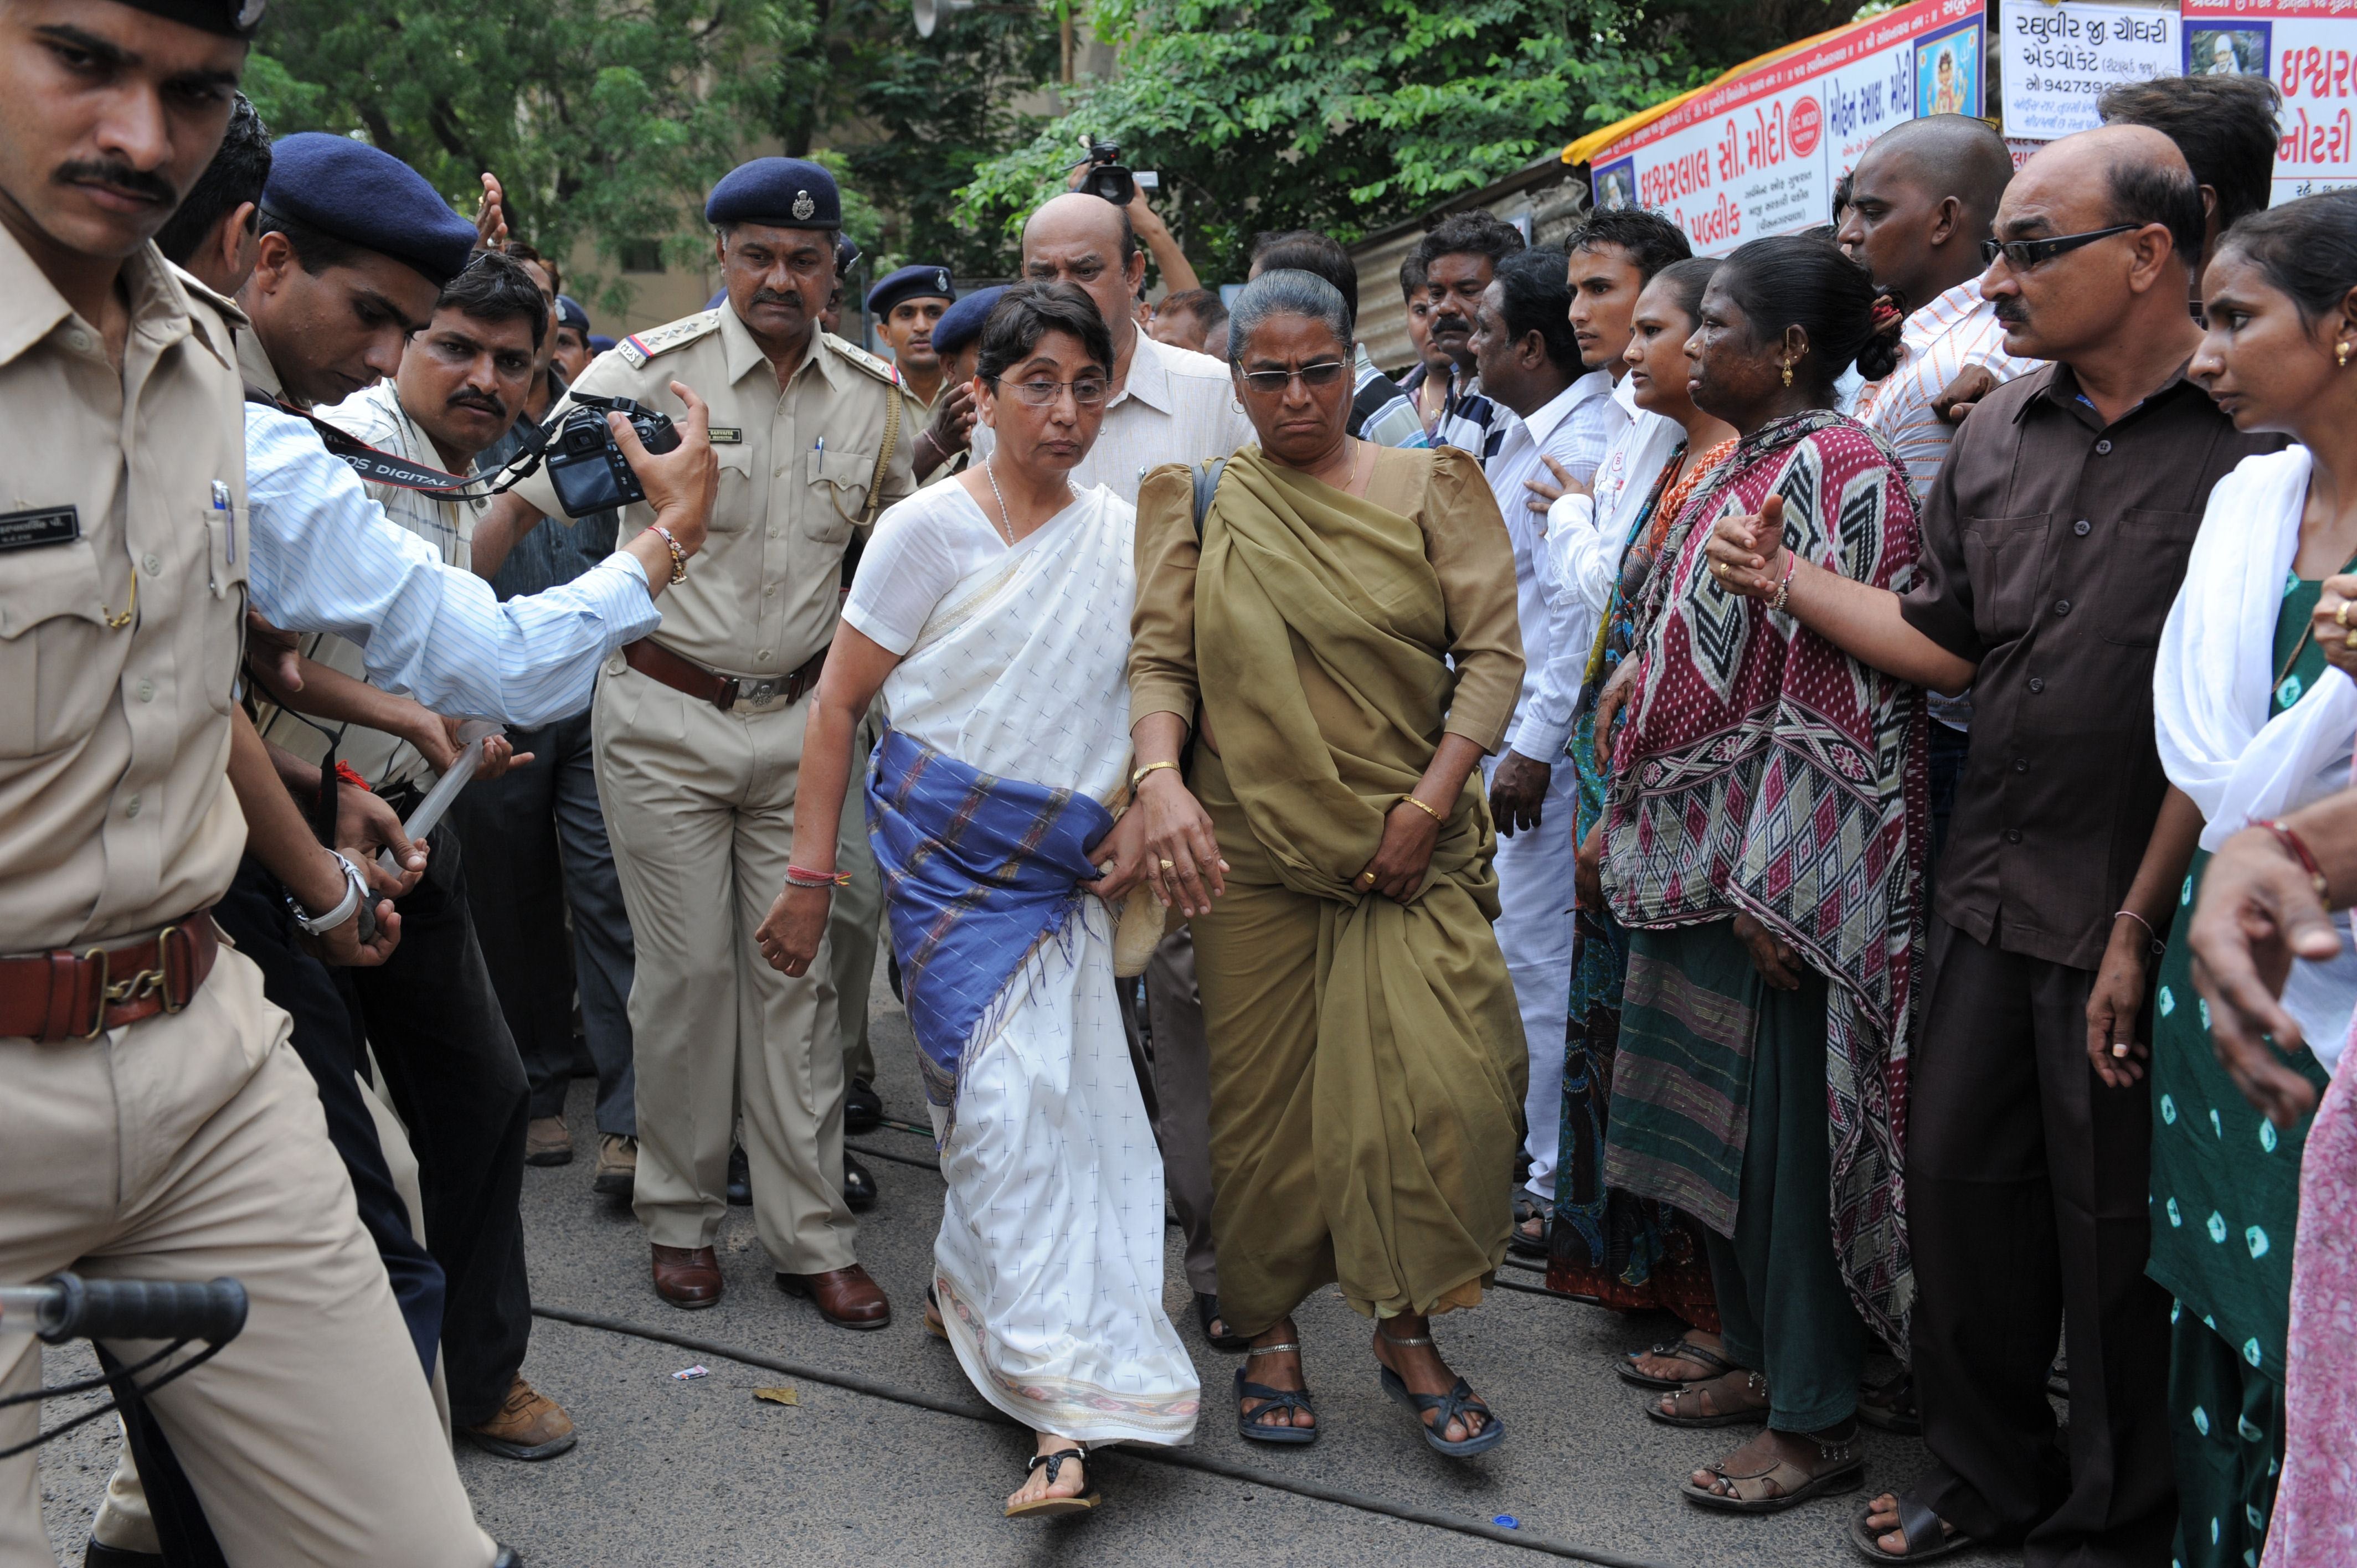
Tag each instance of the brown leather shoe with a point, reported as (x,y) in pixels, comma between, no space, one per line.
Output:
(618,1166)
(844,1298)
(530,1425)
(548,1142)
(687,1276)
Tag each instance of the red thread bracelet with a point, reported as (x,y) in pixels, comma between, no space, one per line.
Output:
(796,877)
(345,772)
(2299,849)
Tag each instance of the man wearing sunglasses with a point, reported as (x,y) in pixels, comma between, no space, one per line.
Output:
(2054,540)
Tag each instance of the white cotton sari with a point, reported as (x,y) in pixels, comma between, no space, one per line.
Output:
(1048,1269)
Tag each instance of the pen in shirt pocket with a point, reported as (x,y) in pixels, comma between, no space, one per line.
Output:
(228,518)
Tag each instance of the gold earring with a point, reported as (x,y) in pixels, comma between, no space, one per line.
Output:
(2345,356)
(1788,373)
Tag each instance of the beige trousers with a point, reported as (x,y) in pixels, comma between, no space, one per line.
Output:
(191,1146)
(700,806)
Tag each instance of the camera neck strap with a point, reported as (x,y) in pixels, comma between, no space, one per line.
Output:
(380,468)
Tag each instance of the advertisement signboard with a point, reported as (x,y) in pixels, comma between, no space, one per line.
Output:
(2057,59)
(2309,48)
(1757,153)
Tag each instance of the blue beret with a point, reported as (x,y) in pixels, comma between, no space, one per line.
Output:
(367,197)
(924,282)
(847,254)
(600,342)
(785,193)
(960,324)
(570,313)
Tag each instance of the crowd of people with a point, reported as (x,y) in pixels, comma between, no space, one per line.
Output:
(1805,791)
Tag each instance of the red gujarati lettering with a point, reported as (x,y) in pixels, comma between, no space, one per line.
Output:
(2307,141)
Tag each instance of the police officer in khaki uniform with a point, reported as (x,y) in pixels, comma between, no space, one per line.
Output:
(154,1122)
(698,731)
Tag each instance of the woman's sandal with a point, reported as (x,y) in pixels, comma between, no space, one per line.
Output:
(1795,1485)
(1682,1350)
(1703,1393)
(1207,1311)
(1520,1242)
(1047,1507)
(1454,1405)
(1255,1427)
(1890,1406)
(935,1327)
(1926,1536)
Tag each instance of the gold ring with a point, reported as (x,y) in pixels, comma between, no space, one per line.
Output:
(2342,615)
(1168,865)
(1368,878)
(2349,641)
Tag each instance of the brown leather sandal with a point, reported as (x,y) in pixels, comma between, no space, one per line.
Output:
(1703,1399)
(1794,1485)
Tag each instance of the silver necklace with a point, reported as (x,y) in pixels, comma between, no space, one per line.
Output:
(990,472)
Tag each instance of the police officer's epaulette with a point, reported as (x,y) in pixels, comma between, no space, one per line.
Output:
(854,354)
(639,346)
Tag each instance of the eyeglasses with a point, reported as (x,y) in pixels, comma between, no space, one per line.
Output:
(1087,390)
(2023,254)
(1269,383)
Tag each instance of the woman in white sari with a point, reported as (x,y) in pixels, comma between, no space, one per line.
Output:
(992,611)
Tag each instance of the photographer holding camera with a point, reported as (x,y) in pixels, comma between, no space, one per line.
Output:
(698,733)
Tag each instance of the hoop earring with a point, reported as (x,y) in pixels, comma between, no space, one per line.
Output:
(1788,373)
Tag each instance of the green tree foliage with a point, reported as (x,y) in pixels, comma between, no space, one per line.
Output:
(604,119)
(1346,116)
(914,117)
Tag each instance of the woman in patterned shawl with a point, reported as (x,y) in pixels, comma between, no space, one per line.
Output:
(1625,1252)
(1764,832)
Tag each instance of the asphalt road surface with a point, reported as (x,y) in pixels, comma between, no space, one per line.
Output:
(888,1457)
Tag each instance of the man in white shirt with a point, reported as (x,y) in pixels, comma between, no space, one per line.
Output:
(1552,407)
(1168,405)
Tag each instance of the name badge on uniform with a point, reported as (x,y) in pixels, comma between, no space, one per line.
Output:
(728,436)
(41,525)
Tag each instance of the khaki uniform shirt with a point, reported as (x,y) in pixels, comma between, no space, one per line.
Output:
(796,464)
(115,811)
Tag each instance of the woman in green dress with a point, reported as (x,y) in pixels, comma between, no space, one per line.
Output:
(2251,724)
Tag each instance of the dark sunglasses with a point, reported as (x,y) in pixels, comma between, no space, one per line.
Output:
(2023,254)
(1268,383)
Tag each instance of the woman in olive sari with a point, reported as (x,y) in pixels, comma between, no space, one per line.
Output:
(1367,1059)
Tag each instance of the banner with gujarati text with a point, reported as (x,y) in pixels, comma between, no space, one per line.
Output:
(2309,48)
(1758,151)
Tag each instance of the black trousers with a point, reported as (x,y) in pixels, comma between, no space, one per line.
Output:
(253,914)
(535,843)
(2026,1197)
(453,1073)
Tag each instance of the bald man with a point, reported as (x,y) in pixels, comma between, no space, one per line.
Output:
(1922,200)
(2053,543)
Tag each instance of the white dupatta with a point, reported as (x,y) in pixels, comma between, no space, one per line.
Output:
(2213,687)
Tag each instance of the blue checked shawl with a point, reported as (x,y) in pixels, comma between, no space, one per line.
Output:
(979,873)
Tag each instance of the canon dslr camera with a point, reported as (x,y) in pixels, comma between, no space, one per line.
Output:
(585,465)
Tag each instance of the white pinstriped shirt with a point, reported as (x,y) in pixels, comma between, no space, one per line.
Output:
(1937,342)
(326,558)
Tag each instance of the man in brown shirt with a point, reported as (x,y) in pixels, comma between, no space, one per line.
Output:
(2054,542)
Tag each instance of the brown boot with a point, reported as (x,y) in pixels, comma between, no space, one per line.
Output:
(844,1298)
(546,1142)
(530,1425)
(687,1276)
(618,1166)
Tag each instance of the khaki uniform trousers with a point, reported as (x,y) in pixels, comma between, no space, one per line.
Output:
(189,1147)
(700,806)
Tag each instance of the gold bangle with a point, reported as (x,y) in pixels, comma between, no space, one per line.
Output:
(1139,777)
(1427,811)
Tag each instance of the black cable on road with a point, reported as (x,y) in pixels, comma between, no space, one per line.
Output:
(1178,1458)
(876,1154)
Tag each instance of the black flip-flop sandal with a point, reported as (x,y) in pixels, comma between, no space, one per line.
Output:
(1755,1416)
(1798,1485)
(1522,1245)
(1207,1311)
(1048,1508)
(1683,1350)
(1454,1405)
(1254,1427)
(1925,1535)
